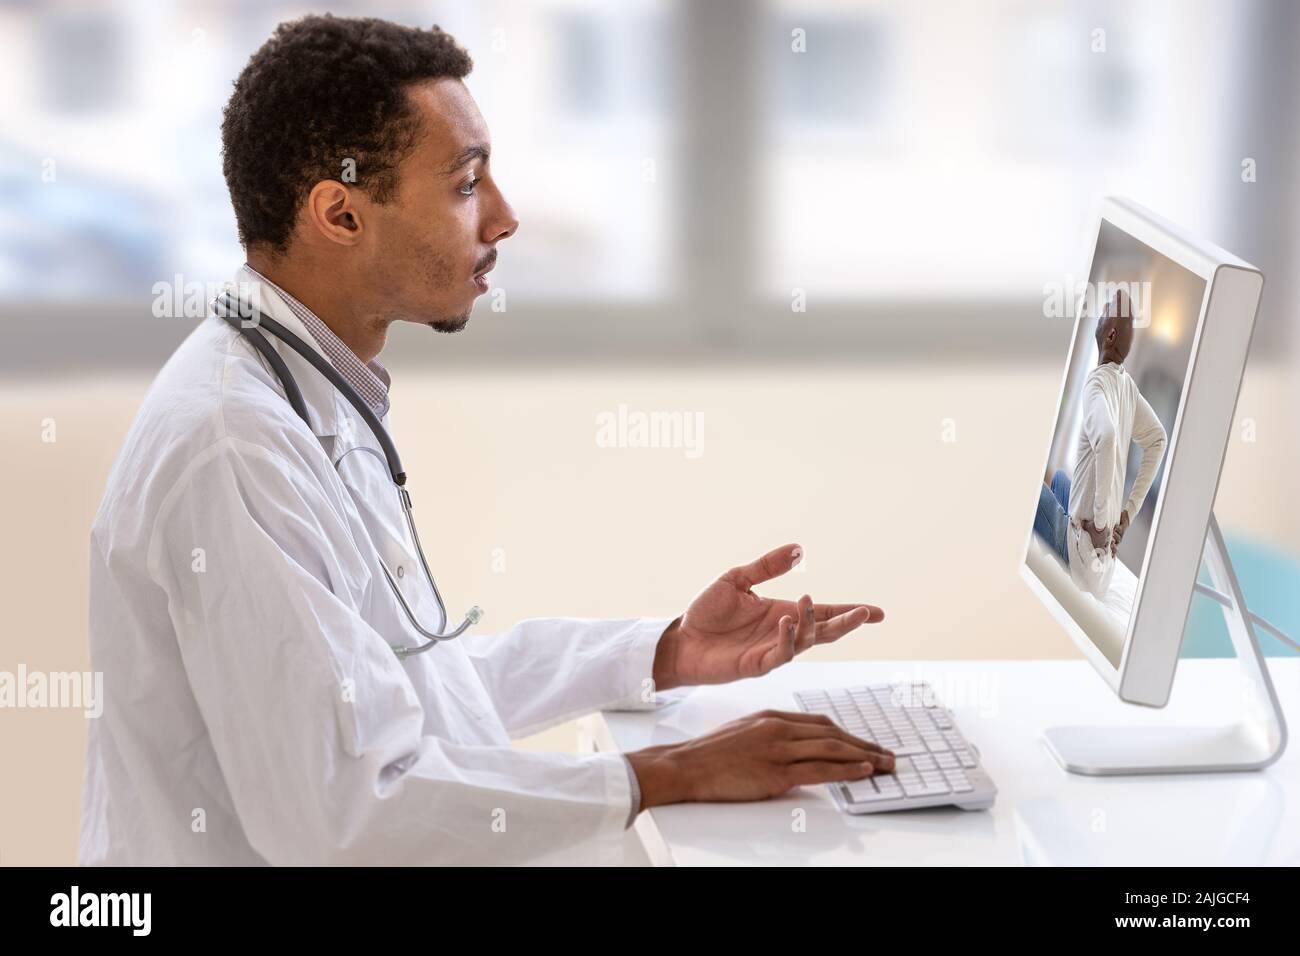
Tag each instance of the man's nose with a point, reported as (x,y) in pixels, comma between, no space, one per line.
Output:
(503,224)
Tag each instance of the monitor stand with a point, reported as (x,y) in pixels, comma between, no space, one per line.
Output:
(1252,743)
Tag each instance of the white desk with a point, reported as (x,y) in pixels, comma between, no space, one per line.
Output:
(1043,815)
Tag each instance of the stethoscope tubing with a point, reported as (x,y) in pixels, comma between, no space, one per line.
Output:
(248,326)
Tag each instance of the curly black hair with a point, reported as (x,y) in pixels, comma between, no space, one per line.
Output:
(320,91)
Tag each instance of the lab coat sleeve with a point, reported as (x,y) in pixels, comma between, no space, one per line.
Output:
(316,726)
(545,671)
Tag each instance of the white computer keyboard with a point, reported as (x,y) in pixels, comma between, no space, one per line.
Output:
(933,763)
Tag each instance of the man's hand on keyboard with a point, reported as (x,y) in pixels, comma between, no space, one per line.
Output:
(759,756)
(728,632)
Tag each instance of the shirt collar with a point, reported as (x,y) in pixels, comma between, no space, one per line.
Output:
(324,403)
(370,379)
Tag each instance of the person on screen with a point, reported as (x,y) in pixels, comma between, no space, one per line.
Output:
(1084,517)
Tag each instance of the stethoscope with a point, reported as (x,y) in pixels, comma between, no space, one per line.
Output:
(248,325)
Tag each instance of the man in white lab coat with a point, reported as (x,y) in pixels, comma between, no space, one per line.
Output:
(255,709)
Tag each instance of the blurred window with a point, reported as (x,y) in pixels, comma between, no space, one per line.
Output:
(110,165)
(958,150)
(880,150)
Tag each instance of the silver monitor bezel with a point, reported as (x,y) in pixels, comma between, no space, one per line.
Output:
(1135,679)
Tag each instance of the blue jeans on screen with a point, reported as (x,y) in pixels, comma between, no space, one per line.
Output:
(1052,520)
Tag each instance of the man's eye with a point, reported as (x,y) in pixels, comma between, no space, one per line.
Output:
(468,188)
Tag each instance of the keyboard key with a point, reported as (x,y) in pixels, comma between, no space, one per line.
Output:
(959,782)
(863,791)
(907,750)
(924,789)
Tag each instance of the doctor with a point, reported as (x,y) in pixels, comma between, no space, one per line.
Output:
(256,708)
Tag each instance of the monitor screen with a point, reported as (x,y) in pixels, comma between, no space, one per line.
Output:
(1101,486)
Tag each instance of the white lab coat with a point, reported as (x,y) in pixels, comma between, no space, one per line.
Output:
(254,712)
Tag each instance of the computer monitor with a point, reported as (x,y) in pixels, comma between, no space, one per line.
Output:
(1162,328)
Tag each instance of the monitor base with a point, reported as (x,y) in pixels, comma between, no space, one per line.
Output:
(1251,744)
(1107,751)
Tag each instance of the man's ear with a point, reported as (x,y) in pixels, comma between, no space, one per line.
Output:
(332,213)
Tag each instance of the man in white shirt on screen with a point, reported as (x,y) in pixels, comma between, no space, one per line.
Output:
(1093,512)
